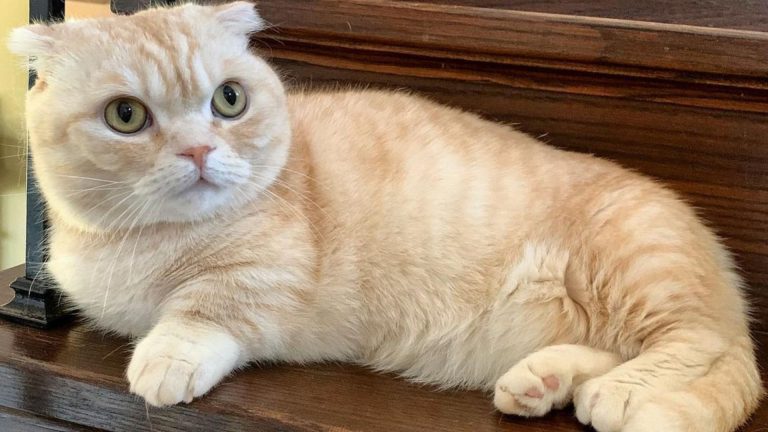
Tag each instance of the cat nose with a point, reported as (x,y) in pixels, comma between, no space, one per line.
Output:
(197,154)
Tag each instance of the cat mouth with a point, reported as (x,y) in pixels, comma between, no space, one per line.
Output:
(201,185)
(204,182)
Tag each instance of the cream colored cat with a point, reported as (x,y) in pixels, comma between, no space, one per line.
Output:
(198,207)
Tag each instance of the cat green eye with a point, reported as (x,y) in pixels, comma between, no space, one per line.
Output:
(229,100)
(126,115)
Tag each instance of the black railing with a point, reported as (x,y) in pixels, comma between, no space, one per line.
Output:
(36,301)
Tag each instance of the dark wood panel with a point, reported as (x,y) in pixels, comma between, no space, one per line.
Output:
(20,421)
(515,37)
(723,96)
(733,14)
(726,14)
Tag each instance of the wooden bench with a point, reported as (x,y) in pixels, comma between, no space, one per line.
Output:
(678,90)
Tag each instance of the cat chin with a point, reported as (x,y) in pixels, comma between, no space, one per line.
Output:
(201,201)
(197,203)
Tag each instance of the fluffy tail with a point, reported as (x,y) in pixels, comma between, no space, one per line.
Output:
(720,401)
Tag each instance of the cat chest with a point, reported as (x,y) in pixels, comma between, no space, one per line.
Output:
(120,289)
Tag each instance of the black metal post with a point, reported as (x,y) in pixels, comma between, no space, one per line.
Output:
(36,301)
(131,6)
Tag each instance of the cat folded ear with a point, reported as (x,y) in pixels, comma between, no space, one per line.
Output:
(240,17)
(36,40)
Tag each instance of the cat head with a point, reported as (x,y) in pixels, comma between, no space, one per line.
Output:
(161,116)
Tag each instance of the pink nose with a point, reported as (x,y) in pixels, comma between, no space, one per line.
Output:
(197,154)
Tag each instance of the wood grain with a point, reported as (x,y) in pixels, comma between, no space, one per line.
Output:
(72,378)
(725,14)
(20,421)
(524,38)
(732,14)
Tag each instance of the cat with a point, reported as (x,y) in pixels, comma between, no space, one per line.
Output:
(199,207)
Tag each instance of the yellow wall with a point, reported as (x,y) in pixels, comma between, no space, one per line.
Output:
(13,85)
(87,8)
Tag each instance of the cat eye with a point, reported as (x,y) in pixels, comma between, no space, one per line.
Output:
(126,115)
(229,100)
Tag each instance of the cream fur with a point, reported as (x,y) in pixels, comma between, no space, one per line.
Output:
(370,227)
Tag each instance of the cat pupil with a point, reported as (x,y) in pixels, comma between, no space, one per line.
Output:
(230,95)
(125,112)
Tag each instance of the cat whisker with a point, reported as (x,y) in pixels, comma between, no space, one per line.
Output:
(31,284)
(287,205)
(135,215)
(89,178)
(287,170)
(98,262)
(115,350)
(303,197)
(146,406)
(135,244)
(117,224)
(124,196)
(105,187)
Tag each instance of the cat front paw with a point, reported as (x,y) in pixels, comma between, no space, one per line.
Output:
(607,402)
(546,378)
(165,380)
(176,363)
(534,386)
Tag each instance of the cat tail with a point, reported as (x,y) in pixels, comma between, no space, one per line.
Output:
(719,401)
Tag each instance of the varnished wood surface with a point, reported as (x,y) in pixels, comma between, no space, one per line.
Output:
(21,421)
(725,14)
(523,38)
(72,379)
(694,115)
(733,14)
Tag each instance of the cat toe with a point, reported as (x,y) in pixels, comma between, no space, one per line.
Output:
(606,404)
(532,388)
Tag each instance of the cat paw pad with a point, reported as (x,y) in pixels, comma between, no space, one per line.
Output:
(533,387)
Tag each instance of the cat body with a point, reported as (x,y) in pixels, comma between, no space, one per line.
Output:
(408,296)
(370,227)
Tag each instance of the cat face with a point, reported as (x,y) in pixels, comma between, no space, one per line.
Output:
(163,116)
